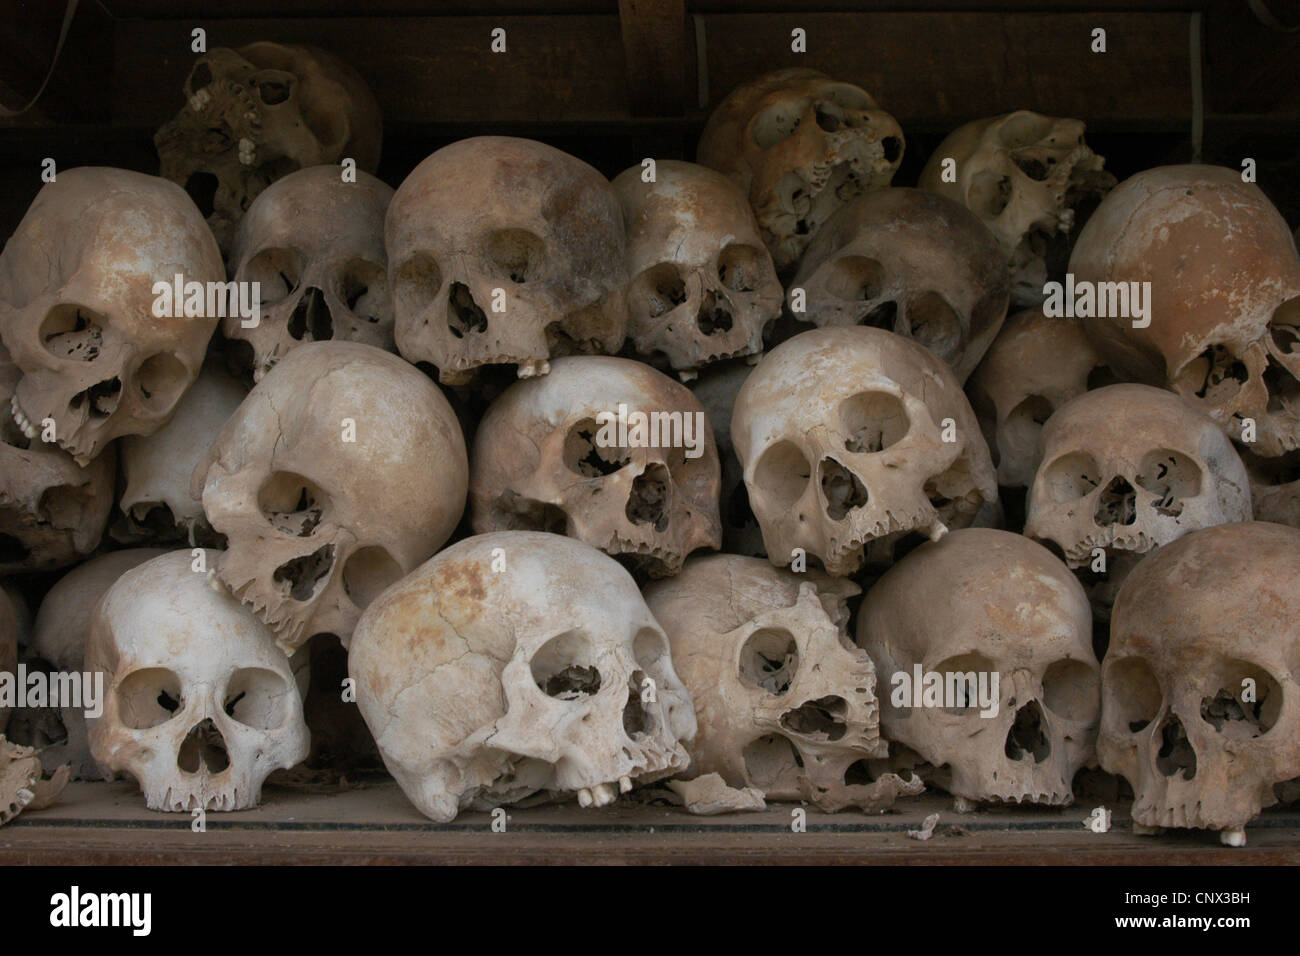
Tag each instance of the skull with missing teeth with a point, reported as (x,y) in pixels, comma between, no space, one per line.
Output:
(505,251)
(514,663)
(1032,180)
(800,144)
(78,306)
(342,470)
(853,438)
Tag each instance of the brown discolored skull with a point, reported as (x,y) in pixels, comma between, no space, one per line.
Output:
(842,434)
(702,284)
(913,263)
(548,456)
(1198,688)
(800,144)
(77,306)
(1225,296)
(315,246)
(1032,180)
(980,603)
(340,472)
(258,113)
(505,251)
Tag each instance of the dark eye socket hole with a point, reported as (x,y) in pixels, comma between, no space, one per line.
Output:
(1285,326)
(564,667)
(257,697)
(277,271)
(517,254)
(769,660)
(369,572)
(989,194)
(1247,705)
(1072,476)
(873,421)
(273,92)
(586,455)
(148,697)
(292,504)
(935,324)
(782,473)
(1031,166)
(740,267)
(1215,376)
(161,380)
(364,289)
(202,188)
(1172,477)
(200,76)
(893,147)
(658,290)
(855,278)
(73,332)
(777,123)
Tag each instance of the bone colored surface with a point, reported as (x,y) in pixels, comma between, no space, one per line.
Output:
(708,795)
(989,601)
(337,520)
(1191,624)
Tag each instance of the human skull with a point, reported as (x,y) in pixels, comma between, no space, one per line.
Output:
(910,262)
(1274,487)
(548,456)
(77,306)
(869,412)
(980,603)
(340,472)
(702,286)
(315,246)
(59,638)
(1224,323)
(800,144)
(513,663)
(505,251)
(1034,366)
(1032,180)
(784,701)
(156,503)
(198,722)
(52,510)
(255,114)
(1198,686)
(716,388)
(1131,468)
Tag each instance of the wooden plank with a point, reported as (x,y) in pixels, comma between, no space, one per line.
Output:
(654,48)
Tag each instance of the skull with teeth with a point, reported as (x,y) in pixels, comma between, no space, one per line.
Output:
(513,663)
(1008,608)
(1032,180)
(505,251)
(342,470)
(255,114)
(606,450)
(703,287)
(1224,323)
(911,262)
(1198,686)
(199,722)
(78,306)
(855,437)
(315,246)
(800,144)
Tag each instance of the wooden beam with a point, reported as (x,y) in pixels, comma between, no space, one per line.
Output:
(654,48)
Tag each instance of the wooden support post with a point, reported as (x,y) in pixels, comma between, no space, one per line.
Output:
(654,47)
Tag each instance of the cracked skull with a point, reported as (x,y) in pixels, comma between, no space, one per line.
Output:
(505,251)
(77,306)
(342,470)
(1032,180)
(198,722)
(1224,299)
(1198,689)
(315,246)
(515,663)
(606,450)
(800,144)
(977,604)
(855,437)
(258,113)
(702,285)
(913,263)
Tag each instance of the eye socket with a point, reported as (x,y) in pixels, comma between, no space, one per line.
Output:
(564,667)
(934,323)
(963,676)
(650,650)
(1133,695)
(782,473)
(274,86)
(416,284)
(149,697)
(989,194)
(1072,689)
(777,123)
(73,333)
(1172,477)
(200,76)
(257,698)
(773,763)
(873,421)
(277,271)
(584,455)
(742,268)
(161,380)
(1070,477)
(292,504)
(769,660)
(854,278)
(363,286)
(1285,326)
(369,572)
(657,291)
(515,254)
(1248,703)
(1216,375)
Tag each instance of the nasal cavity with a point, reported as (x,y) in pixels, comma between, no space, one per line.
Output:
(1117,504)
(714,316)
(637,718)
(823,718)
(463,314)
(842,489)
(311,319)
(1176,754)
(1027,737)
(204,749)
(304,573)
(650,498)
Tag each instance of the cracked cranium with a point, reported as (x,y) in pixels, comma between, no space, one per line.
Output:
(1032,180)
(255,114)
(800,144)
(516,663)
(342,470)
